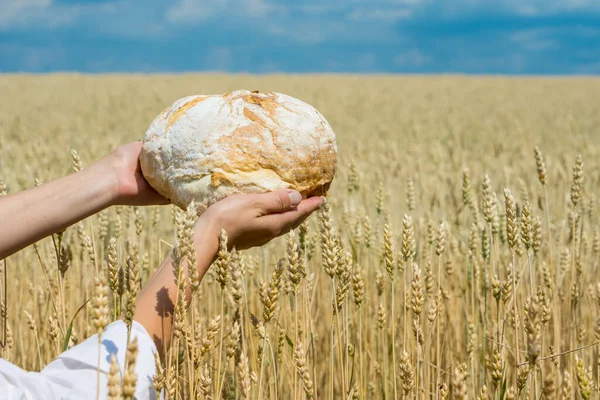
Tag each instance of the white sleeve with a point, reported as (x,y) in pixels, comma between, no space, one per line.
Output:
(74,374)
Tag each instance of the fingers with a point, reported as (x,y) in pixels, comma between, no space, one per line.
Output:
(279,201)
(134,146)
(311,204)
(283,222)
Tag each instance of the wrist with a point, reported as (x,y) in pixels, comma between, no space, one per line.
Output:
(206,242)
(109,170)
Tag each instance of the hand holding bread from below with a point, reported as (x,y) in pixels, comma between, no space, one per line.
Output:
(254,219)
(206,148)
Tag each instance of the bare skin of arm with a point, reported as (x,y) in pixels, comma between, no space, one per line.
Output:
(33,214)
(249,220)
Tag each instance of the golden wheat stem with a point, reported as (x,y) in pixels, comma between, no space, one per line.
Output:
(571,283)
(484,322)
(404,307)
(341,351)
(492,251)
(191,369)
(394,339)
(308,301)
(219,388)
(346,347)
(331,362)
(336,328)
(274,369)
(247,306)
(296,336)
(60,283)
(437,334)
(383,364)
(360,349)
(262,364)
(514,300)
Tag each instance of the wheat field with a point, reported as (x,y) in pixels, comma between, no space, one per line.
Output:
(457,256)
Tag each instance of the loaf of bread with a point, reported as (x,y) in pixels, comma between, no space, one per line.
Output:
(205,148)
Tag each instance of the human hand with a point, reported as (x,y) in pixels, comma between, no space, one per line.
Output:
(254,219)
(131,187)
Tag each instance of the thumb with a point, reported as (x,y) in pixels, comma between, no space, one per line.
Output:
(280,200)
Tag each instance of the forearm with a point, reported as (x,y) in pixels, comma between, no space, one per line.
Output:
(31,215)
(156,302)
(248,220)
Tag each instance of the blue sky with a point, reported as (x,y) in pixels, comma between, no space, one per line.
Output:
(261,36)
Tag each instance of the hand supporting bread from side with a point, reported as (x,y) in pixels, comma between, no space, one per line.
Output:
(249,220)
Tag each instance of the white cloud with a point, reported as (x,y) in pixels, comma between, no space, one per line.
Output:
(411,58)
(378,14)
(187,10)
(309,32)
(256,7)
(26,14)
(40,59)
(307,22)
(12,5)
(534,40)
(219,59)
(540,7)
(345,21)
(201,10)
(23,13)
(32,58)
(365,62)
(520,7)
(133,18)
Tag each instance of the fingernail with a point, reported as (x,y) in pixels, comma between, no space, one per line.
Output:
(295,198)
(321,202)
